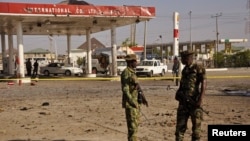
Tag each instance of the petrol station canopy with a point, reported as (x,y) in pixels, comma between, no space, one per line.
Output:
(62,19)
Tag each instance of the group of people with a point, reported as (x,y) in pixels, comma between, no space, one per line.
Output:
(29,68)
(192,88)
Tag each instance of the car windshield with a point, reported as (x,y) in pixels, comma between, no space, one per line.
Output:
(121,63)
(55,64)
(146,63)
(67,65)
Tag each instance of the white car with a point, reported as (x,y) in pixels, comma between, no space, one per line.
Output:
(121,65)
(60,68)
(151,67)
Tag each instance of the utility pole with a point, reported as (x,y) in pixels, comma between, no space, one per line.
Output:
(190,17)
(248,19)
(145,40)
(217,38)
(51,45)
(161,48)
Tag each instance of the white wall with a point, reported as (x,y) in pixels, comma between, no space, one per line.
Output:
(75,54)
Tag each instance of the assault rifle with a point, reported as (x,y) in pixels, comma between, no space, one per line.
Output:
(182,97)
(141,97)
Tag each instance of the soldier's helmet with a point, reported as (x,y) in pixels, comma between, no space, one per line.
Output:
(130,57)
(186,53)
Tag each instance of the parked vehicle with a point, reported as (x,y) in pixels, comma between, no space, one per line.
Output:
(151,67)
(60,68)
(97,67)
(121,65)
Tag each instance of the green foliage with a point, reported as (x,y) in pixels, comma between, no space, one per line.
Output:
(242,59)
(80,61)
(128,43)
(239,59)
(220,59)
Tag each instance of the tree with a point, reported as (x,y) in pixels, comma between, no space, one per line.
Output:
(80,61)
(239,59)
(243,58)
(220,59)
(127,42)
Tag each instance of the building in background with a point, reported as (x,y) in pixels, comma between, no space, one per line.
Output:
(94,44)
(43,56)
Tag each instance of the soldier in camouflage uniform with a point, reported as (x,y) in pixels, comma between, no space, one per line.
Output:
(129,99)
(192,85)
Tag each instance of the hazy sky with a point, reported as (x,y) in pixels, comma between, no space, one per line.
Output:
(231,25)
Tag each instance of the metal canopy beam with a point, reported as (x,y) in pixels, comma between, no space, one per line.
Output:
(61,19)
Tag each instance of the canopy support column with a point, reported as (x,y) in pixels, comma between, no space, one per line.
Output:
(145,40)
(89,54)
(11,56)
(20,57)
(68,46)
(3,44)
(114,48)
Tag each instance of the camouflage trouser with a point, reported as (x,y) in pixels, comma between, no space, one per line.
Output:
(132,117)
(183,114)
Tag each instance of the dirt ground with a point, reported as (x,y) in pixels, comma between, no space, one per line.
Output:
(60,110)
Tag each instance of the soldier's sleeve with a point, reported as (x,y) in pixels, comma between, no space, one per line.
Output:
(203,78)
(201,72)
(125,80)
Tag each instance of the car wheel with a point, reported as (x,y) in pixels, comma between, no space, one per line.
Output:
(46,73)
(67,73)
(150,74)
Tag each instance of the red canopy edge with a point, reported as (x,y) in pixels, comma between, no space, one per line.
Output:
(85,10)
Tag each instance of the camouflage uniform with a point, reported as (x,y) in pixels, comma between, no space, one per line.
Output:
(129,102)
(192,76)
